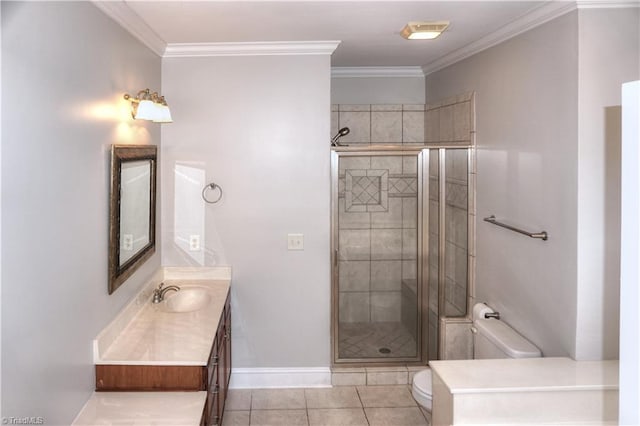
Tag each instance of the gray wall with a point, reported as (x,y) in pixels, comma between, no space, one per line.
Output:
(609,56)
(65,67)
(377,90)
(259,127)
(548,123)
(526,123)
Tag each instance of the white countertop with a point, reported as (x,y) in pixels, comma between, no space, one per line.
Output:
(528,374)
(143,408)
(146,335)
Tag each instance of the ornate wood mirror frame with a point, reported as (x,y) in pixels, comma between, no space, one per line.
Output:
(132,217)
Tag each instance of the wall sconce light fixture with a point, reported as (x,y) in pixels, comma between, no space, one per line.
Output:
(149,106)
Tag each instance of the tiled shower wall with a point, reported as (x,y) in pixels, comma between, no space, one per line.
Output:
(377,204)
(450,121)
(453,121)
(380,124)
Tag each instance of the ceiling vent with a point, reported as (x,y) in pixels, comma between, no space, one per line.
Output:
(423,30)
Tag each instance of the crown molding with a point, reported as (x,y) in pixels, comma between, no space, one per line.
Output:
(606,4)
(120,12)
(535,18)
(130,21)
(178,50)
(364,72)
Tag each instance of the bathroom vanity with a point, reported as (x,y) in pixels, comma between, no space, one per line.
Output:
(182,344)
(524,391)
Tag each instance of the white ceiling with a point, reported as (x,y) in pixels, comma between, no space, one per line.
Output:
(368,30)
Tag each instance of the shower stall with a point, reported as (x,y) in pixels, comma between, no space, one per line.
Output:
(400,249)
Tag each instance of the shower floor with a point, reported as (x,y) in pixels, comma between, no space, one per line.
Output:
(365,339)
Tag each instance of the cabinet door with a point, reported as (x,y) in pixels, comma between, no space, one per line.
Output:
(221,362)
(222,367)
(213,365)
(213,405)
(217,361)
(228,347)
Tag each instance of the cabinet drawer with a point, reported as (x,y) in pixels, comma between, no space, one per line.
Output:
(150,378)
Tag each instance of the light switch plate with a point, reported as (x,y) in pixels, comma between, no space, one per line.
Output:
(295,241)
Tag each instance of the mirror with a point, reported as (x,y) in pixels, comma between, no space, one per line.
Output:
(132,218)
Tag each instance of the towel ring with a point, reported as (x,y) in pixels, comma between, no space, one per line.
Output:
(213,187)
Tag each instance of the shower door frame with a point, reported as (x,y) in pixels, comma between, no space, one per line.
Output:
(422,156)
(422,152)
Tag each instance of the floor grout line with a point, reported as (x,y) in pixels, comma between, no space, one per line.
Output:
(362,406)
(338,402)
(306,406)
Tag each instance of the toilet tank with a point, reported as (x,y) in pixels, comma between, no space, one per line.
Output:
(493,338)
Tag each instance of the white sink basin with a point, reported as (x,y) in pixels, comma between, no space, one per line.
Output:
(188,299)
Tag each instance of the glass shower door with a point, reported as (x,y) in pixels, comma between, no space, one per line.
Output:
(456,240)
(448,258)
(433,256)
(377,238)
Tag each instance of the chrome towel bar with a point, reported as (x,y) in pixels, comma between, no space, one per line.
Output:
(541,235)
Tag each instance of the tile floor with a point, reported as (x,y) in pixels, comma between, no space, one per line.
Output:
(344,405)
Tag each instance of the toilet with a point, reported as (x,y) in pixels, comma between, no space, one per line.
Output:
(421,389)
(492,339)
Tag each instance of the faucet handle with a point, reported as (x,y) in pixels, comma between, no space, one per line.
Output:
(157,294)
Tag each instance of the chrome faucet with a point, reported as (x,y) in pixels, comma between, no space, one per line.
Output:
(158,293)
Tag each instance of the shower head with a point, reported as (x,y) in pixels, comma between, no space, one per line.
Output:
(342,132)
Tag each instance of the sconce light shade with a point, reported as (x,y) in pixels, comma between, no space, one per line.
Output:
(146,110)
(164,114)
(149,106)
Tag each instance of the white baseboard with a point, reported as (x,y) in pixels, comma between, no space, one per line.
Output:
(256,378)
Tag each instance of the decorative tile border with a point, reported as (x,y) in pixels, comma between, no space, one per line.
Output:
(366,190)
(405,186)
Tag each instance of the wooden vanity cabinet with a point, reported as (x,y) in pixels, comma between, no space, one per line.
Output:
(219,370)
(214,378)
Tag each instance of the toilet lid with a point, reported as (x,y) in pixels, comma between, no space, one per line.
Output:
(422,381)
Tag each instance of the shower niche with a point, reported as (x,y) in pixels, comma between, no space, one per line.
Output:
(400,243)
